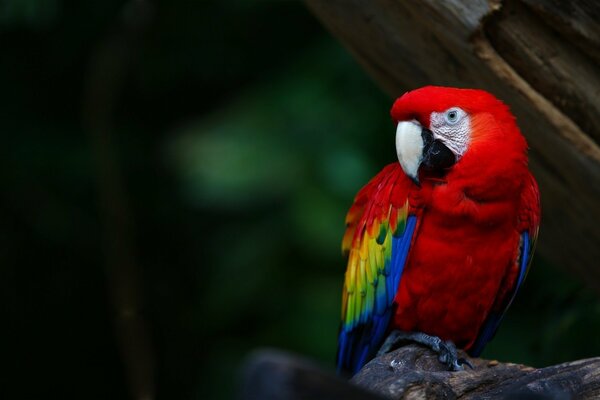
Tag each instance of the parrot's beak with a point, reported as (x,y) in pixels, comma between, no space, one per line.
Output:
(416,146)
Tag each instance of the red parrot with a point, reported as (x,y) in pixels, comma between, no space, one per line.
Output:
(439,243)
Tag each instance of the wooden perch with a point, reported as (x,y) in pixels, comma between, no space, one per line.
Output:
(413,372)
(540,57)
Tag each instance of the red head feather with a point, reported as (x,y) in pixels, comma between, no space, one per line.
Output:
(420,103)
(491,119)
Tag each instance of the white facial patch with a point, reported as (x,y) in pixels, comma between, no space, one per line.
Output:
(409,147)
(453,128)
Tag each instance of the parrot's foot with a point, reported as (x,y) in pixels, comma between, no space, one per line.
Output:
(446,351)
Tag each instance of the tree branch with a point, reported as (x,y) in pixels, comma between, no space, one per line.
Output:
(414,372)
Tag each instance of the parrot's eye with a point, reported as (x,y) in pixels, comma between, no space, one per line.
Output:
(452,127)
(452,116)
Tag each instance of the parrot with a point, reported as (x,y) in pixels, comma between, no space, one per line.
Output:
(439,243)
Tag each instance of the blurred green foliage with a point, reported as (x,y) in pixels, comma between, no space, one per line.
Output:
(243,132)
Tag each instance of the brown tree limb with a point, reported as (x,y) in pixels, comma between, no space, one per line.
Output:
(414,372)
(523,52)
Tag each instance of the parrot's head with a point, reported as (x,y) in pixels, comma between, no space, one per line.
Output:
(440,126)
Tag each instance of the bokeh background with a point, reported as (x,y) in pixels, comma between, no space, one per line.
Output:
(179,172)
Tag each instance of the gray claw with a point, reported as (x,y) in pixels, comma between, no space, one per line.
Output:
(448,356)
(447,353)
(464,361)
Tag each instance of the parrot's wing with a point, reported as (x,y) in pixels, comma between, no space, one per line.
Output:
(377,240)
(529,220)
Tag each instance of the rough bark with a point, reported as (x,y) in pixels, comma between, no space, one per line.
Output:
(413,372)
(540,57)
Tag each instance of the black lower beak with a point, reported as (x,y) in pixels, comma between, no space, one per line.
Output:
(436,156)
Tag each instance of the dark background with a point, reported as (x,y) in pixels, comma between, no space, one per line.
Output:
(190,164)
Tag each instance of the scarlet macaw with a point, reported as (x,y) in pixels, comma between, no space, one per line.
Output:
(439,243)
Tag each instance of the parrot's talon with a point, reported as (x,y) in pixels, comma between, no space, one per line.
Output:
(456,367)
(446,350)
(449,356)
(389,343)
(464,361)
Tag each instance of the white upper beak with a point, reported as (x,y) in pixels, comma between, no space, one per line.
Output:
(409,147)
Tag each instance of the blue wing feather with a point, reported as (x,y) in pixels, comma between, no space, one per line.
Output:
(357,344)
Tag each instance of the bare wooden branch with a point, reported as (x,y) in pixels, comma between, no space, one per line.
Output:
(539,57)
(414,372)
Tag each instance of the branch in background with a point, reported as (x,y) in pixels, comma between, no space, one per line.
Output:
(277,375)
(110,62)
